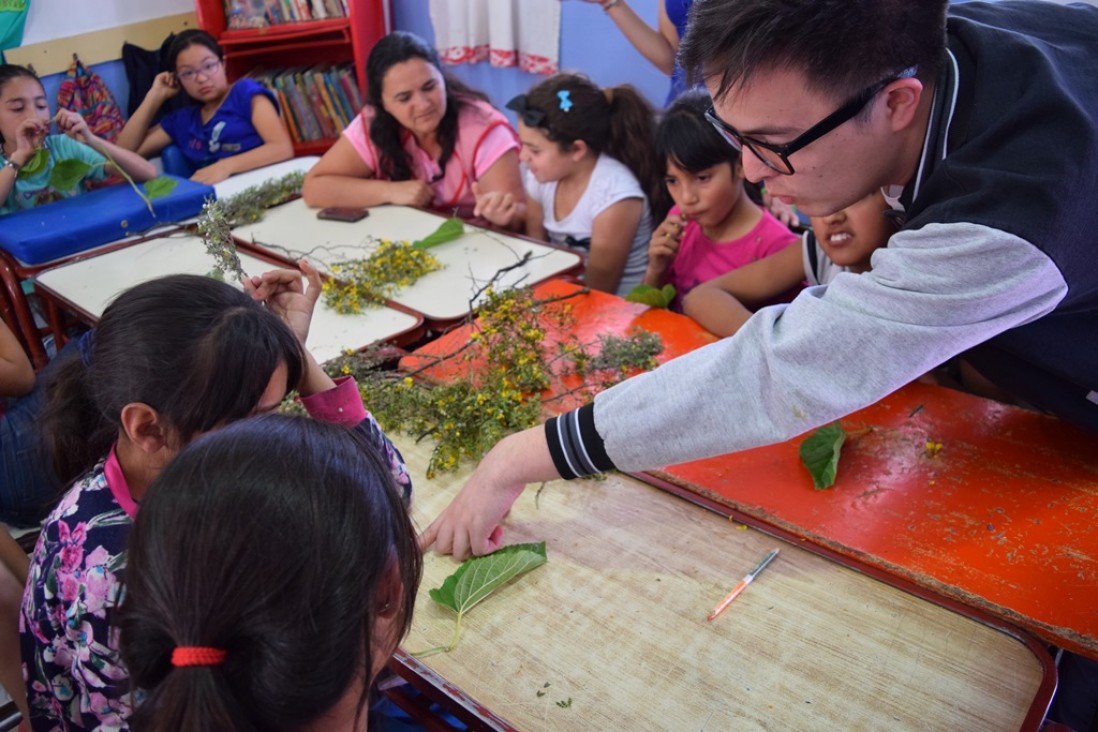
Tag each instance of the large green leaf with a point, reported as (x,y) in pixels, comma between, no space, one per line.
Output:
(449,230)
(36,164)
(66,174)
(657,297)
(479,577)
(160,186)
(820,454)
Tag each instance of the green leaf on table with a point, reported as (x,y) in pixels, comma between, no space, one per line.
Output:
(160,186)
(450,229)
(66,174)
(479,577)
(820,454)
(657,297)
(36,164)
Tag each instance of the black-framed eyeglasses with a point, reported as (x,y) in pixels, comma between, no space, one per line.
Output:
(207,69)
(776,157)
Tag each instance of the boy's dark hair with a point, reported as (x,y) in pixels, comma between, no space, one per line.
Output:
(842,46)
(198,351)
(192,37)
(272,540)
(9,72)
(617,121)
(685,137)
(385,132)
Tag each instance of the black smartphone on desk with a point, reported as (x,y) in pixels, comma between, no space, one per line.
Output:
(350,215)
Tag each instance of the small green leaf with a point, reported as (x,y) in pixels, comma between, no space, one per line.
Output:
(655,297)
(478,577)
(66,174)
(820,454)
(36,164)
(449,230)
(160,186)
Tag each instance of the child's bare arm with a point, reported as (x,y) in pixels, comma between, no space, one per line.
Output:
(16,372)
(535,224)
(611,239)
(721,304)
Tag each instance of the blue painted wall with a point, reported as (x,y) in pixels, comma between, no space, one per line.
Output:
(589,43)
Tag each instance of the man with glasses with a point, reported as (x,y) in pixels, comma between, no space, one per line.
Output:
(982,130)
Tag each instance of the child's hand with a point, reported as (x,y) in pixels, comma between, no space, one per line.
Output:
(213,173)
(164,86)
(782,211)
(495,206)
(28,138)
(74,125)
(281,291)
(664,244)
(411,193)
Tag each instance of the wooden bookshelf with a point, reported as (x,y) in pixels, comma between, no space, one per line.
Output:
(346,40)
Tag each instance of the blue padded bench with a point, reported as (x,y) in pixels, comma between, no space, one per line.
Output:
(73,225)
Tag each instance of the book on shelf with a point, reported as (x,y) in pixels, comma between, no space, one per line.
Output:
(242,14)
(317,102)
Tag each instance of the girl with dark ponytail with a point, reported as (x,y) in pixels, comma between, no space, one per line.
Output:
(246,533)
(170,359)
(592,178)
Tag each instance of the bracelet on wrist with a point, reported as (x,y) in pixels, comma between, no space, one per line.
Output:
(609,4)
(9,163)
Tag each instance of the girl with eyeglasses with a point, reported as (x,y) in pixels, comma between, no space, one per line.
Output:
(591,174)
(230,129)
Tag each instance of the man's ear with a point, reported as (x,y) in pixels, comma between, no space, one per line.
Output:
(144,427)
(902,98)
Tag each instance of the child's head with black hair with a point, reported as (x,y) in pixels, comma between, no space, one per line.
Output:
(169,359)
(22,98)
(272,571)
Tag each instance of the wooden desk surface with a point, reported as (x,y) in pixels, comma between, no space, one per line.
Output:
(88,285)
(615,621)
(442,296)
(1002,518)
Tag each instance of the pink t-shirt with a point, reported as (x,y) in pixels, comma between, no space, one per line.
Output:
(484,135)
(700,259)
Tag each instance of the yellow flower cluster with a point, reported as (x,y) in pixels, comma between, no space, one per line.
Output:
(394,265)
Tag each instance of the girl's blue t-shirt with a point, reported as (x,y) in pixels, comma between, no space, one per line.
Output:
(229,132)
(34,190)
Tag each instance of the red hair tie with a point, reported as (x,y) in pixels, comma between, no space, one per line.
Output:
(197,656)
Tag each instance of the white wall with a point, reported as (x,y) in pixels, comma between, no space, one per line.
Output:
(50,19)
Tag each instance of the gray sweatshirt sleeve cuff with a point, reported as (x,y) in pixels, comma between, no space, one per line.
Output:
(575,444)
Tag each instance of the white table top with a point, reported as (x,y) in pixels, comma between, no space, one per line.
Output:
(91,283)
(470,261)
(235,184)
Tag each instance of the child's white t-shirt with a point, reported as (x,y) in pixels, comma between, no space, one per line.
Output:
(611,181)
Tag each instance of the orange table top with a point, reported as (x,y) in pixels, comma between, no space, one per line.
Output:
(1000,518)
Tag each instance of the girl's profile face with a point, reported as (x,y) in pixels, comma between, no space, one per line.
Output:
(542,156)
(707,196)
(414,92)
(201,73)
(21,98)
(850,236)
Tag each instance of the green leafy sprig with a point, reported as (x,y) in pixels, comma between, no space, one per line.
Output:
(479,577)
(657,297)
(820,454)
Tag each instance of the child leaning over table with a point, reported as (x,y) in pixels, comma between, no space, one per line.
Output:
(842,242)
(24,130)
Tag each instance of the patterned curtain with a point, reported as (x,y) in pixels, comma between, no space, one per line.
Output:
(471,31)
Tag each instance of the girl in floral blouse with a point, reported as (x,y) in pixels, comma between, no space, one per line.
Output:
(171,359)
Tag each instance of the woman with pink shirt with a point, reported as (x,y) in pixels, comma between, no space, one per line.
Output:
(423,139)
